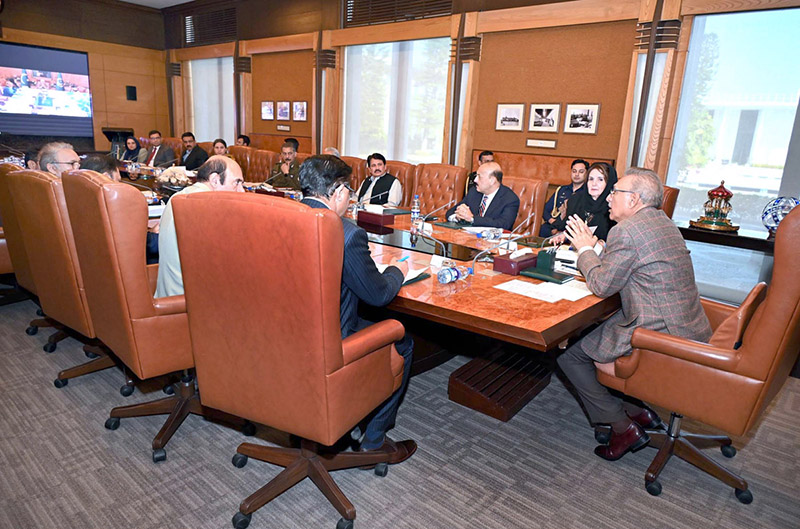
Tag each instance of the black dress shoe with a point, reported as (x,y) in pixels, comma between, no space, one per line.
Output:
(398,451)
(649,420)
(631,440)
(602,433)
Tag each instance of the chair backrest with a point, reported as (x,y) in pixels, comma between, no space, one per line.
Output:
(109,222)
(772,340)
(265,349)
(670,199)
(144,142)
(532,195)
(6,266)
(47,234)
(176,144)
(242,156)
(437,184)
(359,167)
(301,157)
(207,146)
(261,163)
(12,232)
(405,173)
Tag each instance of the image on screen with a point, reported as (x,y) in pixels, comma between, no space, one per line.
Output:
(44,92)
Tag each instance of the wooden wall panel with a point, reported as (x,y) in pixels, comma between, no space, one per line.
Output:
(575,64)
(284,76)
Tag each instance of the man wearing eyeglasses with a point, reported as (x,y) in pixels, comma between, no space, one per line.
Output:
(324,184)
(647,263)
(57,157)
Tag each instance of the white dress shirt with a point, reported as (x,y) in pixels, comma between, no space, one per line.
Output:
(489,198)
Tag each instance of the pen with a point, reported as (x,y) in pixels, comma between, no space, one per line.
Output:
(403,259)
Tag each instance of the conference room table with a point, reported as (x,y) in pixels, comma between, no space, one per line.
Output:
(501,383)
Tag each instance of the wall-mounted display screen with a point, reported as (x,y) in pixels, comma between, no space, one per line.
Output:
(44,92)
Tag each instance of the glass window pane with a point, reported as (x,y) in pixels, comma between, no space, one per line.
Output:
(394,99)
(212,99)
(737,109)
(652,102)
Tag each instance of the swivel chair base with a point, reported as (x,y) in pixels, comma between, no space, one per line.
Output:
(687,447)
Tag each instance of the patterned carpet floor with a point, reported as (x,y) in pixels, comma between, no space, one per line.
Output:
(60,468)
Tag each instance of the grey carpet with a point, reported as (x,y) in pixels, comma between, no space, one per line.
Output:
(60,468)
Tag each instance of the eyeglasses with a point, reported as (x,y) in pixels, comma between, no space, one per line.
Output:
(615,190)
(75,165)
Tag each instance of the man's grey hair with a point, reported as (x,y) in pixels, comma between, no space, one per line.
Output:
(333,151)
(648,185)
(47,154)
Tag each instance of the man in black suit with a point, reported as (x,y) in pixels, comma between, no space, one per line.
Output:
(193,156)
(324,180)
(159,155)
(489,203)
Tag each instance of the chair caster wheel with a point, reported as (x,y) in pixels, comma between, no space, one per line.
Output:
(112,423)
(344,523)
(239,460)
(728,450)
(60,382)
(744,496)
(381,469)
(90,355)
(49,347)
(40,313)
(126,390)
(653,487)
(159,455)
(169,389)
(30,331)
(241,521)
(249,429)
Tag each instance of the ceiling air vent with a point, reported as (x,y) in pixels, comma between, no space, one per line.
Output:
(210,27)
(368,12)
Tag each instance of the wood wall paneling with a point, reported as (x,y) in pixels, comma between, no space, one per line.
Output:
(560,14)
(427,28)
(575,64)
(284,76)
(304,41)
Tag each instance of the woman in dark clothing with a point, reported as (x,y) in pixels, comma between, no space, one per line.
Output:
(133,150)
(590,202)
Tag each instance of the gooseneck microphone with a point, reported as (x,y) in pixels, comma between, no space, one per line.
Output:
(162,164)
(523,223)
(368,198)
(437,209)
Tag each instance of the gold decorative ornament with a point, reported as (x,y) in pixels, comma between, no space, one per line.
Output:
(716,208)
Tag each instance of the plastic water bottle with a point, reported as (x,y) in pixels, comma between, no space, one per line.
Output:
(452,274)
(415,214)
(491,234)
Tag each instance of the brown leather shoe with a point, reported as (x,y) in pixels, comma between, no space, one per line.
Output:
(649,420)
(398,451)
(632,439)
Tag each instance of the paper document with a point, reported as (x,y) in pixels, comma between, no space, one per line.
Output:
(549,292)
(412,273)
(474,229)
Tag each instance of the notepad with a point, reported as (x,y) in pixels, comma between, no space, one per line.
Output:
(412,276)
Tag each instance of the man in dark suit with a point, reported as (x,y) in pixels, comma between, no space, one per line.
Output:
(489,203)
(159,155)
(647,263)
(193,156)
(324,181)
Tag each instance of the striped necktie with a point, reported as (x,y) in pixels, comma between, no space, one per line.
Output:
(483,206)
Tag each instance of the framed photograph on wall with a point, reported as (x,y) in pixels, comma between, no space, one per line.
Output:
(267,110)
(284,111)
(299,111)
(581,119)
(544,117)
(509,116)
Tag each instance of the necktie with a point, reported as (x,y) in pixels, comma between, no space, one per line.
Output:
(483,206)
(149,160)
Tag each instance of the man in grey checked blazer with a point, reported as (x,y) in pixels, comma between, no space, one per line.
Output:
(647,263)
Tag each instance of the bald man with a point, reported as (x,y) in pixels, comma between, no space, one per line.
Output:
(489,203)
(218,173)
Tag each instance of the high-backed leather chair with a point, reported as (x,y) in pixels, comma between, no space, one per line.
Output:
(359,167)
(150,336)
(405,173)
(281,364)
(301,157)
(242,155)
(670,199)
(438,184)
(8,295)
(47,234)
(144,142)
(12,232)
(261,162)
(532,195)
(718,383)
(207,146)
(176,144)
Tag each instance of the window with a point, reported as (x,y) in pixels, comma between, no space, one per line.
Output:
(213,107)
(737,110)
(395,98)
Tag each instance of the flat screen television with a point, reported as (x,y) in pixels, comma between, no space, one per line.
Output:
(44,91)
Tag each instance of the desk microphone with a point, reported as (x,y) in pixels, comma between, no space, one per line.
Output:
(162,164)
(523,223)
(434,239)
(12,150)
(365,197)
(487,250)
(140,186)
(437,209)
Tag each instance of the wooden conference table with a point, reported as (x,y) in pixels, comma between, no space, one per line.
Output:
(501,384)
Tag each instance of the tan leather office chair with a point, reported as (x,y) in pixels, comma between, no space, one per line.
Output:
(717,383)
(281,364)
(242,155)
(359,167)
(150,336)
(670,199)
(207,146)
(176,144)
(532,195)
(301,157)
(438,184)
(261,162)
(404,172)
(47,234)
(11,294)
